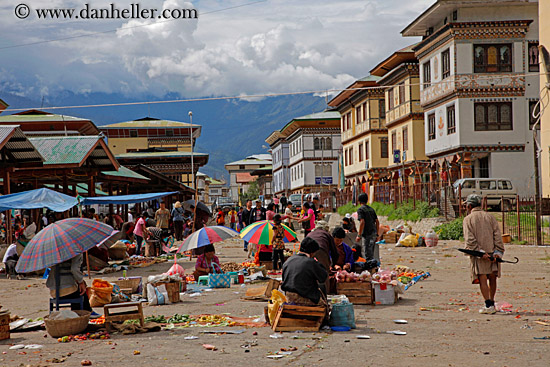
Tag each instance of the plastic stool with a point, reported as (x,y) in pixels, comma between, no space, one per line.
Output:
(67,302)
(203,280)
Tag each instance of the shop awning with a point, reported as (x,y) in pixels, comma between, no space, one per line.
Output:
(126,199)
(38,199)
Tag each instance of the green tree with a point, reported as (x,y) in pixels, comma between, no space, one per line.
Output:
(252,194)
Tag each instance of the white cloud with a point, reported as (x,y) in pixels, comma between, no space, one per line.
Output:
(269,47)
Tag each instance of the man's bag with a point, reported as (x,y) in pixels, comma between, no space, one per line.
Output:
(218,280)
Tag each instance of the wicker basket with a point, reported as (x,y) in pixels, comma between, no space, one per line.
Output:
(129,283)
(59,328)
(117,253)
(173,289)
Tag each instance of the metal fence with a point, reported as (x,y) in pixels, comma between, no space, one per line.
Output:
(519,220)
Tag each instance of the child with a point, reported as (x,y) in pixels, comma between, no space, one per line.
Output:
(277,242)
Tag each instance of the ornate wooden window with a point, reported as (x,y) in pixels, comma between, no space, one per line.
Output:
(357,115)
(383,147)
(445,64)
(382,109)
(405,138)
(402,93)
(427,74)
(367,153)
(390,98)
(364,110)
(451,120)
(360,152)
(394,140)
(431,126)
(533,56)
(493,116)
(492,58)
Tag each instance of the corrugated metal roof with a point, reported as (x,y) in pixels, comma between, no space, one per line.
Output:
(72,150)
(125,172)
(249,161)
(39,118)
(17,144)
(320,116)
(148,122)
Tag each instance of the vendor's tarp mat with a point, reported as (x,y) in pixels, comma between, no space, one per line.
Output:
(125,199)
(38,199)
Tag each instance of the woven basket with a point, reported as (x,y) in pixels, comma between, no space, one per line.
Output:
(59,328)
(132,283)
(173,289)
(117,253)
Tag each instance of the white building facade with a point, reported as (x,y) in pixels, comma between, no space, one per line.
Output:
(479,83)
(279,156)
(314,144)
(237,169)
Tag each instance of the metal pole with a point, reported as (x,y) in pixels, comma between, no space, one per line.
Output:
(519,217)
(537,188)
(502,211)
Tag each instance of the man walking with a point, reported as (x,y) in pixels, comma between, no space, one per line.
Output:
(162,217)
(368,229)
(482,233)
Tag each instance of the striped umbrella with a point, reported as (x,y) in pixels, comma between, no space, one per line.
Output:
(61,241)
(206,236)
(261,233)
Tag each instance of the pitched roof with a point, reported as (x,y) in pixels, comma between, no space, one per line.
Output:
(147,122)
(124,172)
(244,177)
(17,145)
(325,115)
(75,150)
(35,120)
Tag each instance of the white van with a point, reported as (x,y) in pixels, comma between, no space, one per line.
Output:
(495,189)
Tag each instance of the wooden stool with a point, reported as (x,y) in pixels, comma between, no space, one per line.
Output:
(135,313)
(305,318)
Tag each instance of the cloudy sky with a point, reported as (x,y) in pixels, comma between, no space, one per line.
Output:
(273,46)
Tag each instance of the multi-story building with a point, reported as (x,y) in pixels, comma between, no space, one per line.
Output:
(163,145)
(364,134)
(279,154)
(210,189)
(479,82)
(240,176)
(314,144)
(404,118)
(544,46)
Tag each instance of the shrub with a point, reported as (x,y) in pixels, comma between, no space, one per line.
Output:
(347,208)
(451,230)
(405,211)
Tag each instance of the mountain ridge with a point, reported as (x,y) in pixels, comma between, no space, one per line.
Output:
(231,129)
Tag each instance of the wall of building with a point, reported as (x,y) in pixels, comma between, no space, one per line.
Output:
(544,24)
(123,145)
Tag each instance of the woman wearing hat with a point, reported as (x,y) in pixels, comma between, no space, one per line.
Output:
(178,219)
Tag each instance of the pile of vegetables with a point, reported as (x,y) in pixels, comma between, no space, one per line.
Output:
(178,319)
(231,266)
(248,264)
(349,277)
(185,321)
(99,321)
(80,337)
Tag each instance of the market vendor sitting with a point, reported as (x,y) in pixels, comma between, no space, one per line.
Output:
(205,263)
(304,277)
(71,283)
(345,252)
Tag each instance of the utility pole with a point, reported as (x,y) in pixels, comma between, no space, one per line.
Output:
(537,187)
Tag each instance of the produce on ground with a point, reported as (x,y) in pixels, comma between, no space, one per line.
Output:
(80,337)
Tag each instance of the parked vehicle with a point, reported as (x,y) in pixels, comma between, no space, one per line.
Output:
(495,189)
(296,200)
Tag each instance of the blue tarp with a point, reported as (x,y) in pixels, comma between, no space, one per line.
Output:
(125,199)
(38,199)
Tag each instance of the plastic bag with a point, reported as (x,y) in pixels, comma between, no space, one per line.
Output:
(100,293)
(176,269)
(157,295)
(277,299)
(409,241)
